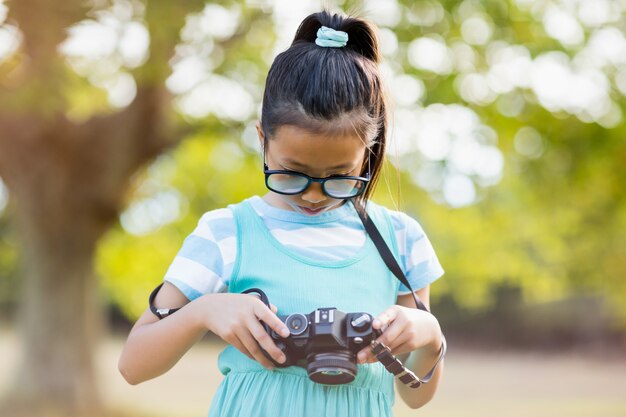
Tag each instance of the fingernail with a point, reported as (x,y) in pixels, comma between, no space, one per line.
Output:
(282,359)
(284,332)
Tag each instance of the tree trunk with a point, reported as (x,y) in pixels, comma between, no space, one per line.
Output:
(59,322)
(68,183)
(59,222)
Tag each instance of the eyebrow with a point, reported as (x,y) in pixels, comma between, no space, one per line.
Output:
(291,162)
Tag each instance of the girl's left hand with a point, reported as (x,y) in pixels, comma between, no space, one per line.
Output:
(404,330)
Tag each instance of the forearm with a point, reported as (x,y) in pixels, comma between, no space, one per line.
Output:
(154,348)
(420,362)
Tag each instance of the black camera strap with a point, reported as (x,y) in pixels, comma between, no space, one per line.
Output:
(385,252)
(382,352)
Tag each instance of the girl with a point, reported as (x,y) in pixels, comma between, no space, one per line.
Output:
(323,132)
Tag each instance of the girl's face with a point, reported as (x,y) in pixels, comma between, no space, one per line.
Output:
(295,149)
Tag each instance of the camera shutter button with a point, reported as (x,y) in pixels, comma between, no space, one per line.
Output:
(361,323)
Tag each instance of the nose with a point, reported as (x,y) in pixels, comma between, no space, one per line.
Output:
(314,193)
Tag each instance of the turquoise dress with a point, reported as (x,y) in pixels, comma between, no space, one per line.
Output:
(296,284)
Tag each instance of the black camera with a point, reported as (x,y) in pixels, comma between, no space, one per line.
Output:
(325,342)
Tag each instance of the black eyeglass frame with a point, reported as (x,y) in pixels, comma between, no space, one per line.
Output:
(322,181)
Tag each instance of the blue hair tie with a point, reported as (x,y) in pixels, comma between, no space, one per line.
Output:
(331,38)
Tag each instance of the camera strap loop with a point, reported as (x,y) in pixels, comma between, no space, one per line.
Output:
(260,293)
(395,366)
(161,313)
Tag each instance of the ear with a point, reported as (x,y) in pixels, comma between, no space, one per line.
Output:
(259,131)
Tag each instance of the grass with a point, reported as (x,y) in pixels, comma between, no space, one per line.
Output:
(475,384)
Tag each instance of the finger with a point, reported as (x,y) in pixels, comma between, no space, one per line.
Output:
(266,342)
(273,308)
(236,342)
(392,337)
(381,322)
(395,334)
(405,347)
(265,314)
(364,355)
(255,350)
(385,318)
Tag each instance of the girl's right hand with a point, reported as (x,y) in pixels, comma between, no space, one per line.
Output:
(235,318)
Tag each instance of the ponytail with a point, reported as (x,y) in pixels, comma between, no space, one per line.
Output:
(309,86)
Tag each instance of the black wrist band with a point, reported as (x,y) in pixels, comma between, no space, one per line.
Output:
(161,313)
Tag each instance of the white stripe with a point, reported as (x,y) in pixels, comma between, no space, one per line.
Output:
(421,251)
(223,213)
(197,276)
(320,237)
(401,240)
(218,286)
(204,231)
(228,249)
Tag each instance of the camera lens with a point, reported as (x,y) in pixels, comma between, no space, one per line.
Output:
(332,373)
(296,323)
(332,368)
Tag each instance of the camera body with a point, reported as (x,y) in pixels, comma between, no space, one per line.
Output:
(325,342)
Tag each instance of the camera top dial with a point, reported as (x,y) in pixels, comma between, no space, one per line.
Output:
(297,323)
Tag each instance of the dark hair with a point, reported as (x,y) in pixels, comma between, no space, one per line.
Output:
(309,86)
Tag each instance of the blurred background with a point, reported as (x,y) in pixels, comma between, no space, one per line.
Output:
(121,122)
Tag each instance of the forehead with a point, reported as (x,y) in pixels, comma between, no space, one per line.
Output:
(301,148)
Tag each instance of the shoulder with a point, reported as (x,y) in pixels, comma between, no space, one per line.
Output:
(401,221)
(216,225)
(417,255)
(204,262)
(217,215)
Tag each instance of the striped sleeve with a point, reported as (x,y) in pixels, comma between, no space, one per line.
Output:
(205,261)
(417,255)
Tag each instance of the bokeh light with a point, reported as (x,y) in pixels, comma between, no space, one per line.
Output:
(10,36)
(477,29)
(4,196)
(456,151)
(528,142)
(103,49)
(147,215)
(430,54)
